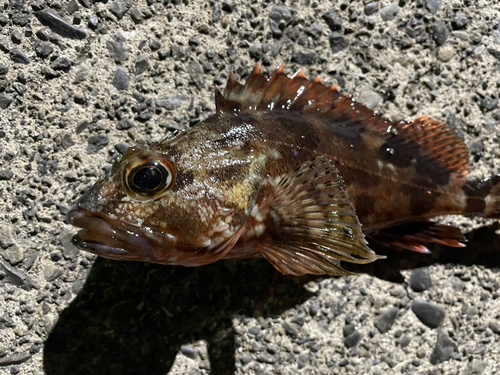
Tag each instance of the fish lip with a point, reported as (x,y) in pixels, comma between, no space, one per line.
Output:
(117,242)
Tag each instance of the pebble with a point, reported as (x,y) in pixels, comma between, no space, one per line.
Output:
(121,80)
(171,102)
(255,330)
(119,8)
(137,15)
(439,32)
(304,359)
(124,124)
(337,42)
(18,56)
(462,35)
(389,12)
(445,53)
(369,98)
(97,142)
(385,321)
(5,100)
(13,254)
(433,5)
(117,51)
(62,63)
(428,313)
(16,277)
(352,340)
(4,69)
(5,174)
(444,349)
(280,17)
(43,49)
(495,327)
(122,148)
(141,65)
(420,279)
(14,359)
(189,351)
(460,21)
(290,331)
(196,73)
(51,272)
(315,30)
(371,8)
(305,57)
(496,36)
(16,36)
(72,6)
(59,25)
(333,20)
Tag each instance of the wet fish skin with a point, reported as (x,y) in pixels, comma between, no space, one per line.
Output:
(290,170)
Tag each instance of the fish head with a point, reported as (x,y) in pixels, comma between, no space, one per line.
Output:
(166,203)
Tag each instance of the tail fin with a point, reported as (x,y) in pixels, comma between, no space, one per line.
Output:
(483,197)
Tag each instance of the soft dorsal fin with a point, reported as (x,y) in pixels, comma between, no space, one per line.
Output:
(423,139)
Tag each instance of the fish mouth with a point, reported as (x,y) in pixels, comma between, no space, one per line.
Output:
(103,237)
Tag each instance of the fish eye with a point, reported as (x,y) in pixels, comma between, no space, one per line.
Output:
(148,179)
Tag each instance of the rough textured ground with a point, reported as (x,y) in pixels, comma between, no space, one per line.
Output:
(71,102)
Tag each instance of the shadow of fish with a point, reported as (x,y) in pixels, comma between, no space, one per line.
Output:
(289,170)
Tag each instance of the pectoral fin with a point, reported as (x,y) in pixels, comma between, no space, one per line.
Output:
(312,225)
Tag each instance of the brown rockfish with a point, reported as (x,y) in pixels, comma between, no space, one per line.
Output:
(289,170)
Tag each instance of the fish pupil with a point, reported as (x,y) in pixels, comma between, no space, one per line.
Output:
(148,178)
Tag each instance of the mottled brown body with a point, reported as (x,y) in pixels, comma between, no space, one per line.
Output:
(284,170)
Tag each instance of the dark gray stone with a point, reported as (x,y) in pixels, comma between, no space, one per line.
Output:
(122,148)
(280,17)
(439,32)
(255,330)
(14,359)
(16,36)
(59,25)
(315,30)
(305,57)
(120,7)
(337,42)
(171,102)
(4,69)
(16,277)
(137,15)
(62,63)
(121,80)
(433,5)
(124,124)
(304,359)
(428,313)
(333,20)
(96,143)
(389,12)
(420,279)
(141,65)
(196,73)
(72,6)
(18,56)
(352,340)
(460,21)
(444,349)
(495,327)
(5,101)
(154,44)
(189,351)
(371,8)
(290,331)
(348,329)
(385,321)
(43,49)
(117,51)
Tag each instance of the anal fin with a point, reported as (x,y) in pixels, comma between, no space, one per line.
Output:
(312,226)
(413,236)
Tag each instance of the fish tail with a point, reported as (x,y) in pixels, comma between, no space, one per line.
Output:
(483,197)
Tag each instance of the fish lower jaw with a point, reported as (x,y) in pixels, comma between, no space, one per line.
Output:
(101,237)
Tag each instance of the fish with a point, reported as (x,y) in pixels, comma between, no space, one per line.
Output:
(290,170)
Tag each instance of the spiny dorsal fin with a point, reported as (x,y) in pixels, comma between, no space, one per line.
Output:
(424,138)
